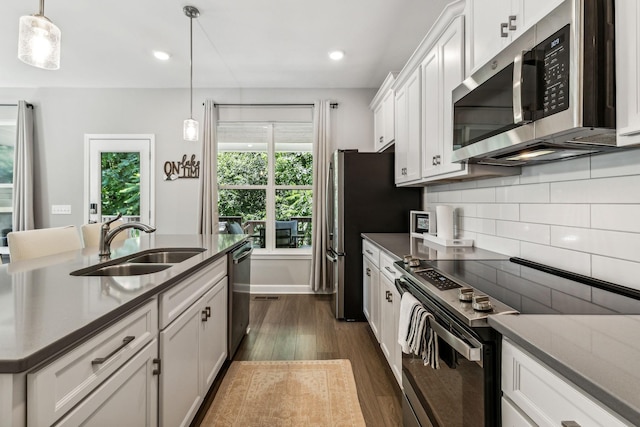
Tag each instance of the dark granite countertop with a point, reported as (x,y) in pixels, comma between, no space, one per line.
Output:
(598,353)
(44,310)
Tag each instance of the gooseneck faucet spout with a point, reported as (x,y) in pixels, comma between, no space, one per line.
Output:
(107,235)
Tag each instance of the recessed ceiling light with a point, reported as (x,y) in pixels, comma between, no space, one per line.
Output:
(163,56)
(336,55)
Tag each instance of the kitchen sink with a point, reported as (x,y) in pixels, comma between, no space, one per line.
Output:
(166,256)
(145,262)
(122,270)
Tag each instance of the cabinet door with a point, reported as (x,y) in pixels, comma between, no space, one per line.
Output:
(402,135)
(484,40)
(529,12)
(378,126)
(128,398)
(395,350)
(432,129)
(451,48)
(180,391)
(414,136)
(372,281)
(389,117)
(387,333)
(213,333)
(366,288)
(627,72)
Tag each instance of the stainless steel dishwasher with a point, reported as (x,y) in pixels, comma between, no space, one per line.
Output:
(239,296)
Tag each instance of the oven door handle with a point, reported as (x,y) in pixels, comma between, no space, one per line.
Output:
(472,354)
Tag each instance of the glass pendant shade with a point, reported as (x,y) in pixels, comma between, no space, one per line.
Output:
(190,130)
(39,42)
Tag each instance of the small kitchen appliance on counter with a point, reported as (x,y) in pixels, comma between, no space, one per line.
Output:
(461,294)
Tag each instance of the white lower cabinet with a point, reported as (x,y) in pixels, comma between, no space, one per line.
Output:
(128,398)
(192,350)
(544,397)
(390,317)
(371,285)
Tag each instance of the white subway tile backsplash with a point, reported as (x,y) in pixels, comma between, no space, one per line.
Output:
(581,215)
(602,190)
(478,225)
(577,215)
(531,193)
(626,162)
(525,231)
(602,242)
(509,212)
(616,217)
(556,171)
(478,195)
(577,262)
(501,245)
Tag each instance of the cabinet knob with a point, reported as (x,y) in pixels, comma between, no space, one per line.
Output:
(503,29)
(368,272)
(512,23)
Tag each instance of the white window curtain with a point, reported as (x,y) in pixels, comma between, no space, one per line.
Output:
(208,215)
(23,170)
(322,149)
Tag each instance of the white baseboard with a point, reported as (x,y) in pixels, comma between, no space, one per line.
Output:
(282,289)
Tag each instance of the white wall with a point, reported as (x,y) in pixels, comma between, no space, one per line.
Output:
(581,215)
(64,116)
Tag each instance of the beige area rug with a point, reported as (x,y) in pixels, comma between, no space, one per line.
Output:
(287,393)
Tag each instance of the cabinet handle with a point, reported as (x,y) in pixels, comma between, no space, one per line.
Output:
(381,138)
(503,28)
(208,309)
(569,424)
(389,270)
(158,370)
(101,360)
(512,23)
(368,251)
(368,272)
(203,315)
(390,297)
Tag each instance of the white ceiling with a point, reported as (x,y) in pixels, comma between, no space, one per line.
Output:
(237,43)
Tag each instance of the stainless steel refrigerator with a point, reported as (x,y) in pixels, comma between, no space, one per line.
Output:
(361,198)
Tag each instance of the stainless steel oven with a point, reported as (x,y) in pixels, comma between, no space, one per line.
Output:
(462,391)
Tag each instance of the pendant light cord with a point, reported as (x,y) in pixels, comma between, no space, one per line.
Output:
(41,7)
(190,67)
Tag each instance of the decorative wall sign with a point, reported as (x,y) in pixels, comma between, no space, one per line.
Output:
(182,169)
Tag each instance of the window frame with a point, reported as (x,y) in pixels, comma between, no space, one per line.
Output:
(270,188)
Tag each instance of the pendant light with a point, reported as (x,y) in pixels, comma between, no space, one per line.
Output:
(39,41)
(190,130)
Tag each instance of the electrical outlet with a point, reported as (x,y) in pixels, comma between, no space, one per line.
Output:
(60,209)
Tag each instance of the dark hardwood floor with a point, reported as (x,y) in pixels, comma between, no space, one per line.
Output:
(302,327)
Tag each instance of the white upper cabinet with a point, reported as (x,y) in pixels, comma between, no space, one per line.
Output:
(627,72)
(493,24)
(383,106)
(408,128)
(442,71)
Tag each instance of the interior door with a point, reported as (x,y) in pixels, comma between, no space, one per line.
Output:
(119,177)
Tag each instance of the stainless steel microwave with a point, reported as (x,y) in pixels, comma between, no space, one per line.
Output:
(549,95)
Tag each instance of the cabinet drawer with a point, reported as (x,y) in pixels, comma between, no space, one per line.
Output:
(546,397)
(177,299)
(57,387)
(386,266)
(371,251)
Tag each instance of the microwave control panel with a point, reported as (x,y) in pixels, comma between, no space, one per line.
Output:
(555,52)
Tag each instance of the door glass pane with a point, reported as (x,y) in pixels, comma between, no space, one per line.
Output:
(120,189)
(293,212)
(250,205)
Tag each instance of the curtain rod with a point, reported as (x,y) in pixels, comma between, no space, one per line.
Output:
(332,105)
(15,105)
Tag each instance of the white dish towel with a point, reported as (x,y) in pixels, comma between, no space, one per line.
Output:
(415,334)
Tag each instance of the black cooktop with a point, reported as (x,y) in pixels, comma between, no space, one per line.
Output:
(532,288)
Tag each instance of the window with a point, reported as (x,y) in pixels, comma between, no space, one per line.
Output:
(8,115)
(265,176)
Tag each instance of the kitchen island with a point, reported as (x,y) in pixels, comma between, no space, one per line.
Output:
(45,312)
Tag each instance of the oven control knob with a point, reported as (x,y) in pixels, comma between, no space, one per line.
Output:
(481,303)
(465,294)
(414,262)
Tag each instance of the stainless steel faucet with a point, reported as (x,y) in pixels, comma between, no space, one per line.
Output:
(107,235)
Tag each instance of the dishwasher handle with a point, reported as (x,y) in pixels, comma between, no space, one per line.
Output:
(245,253)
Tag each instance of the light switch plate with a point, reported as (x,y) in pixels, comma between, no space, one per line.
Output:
(60,209)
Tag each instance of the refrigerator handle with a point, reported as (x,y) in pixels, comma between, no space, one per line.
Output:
(328,205)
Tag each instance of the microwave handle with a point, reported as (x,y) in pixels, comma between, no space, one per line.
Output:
(518,117)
